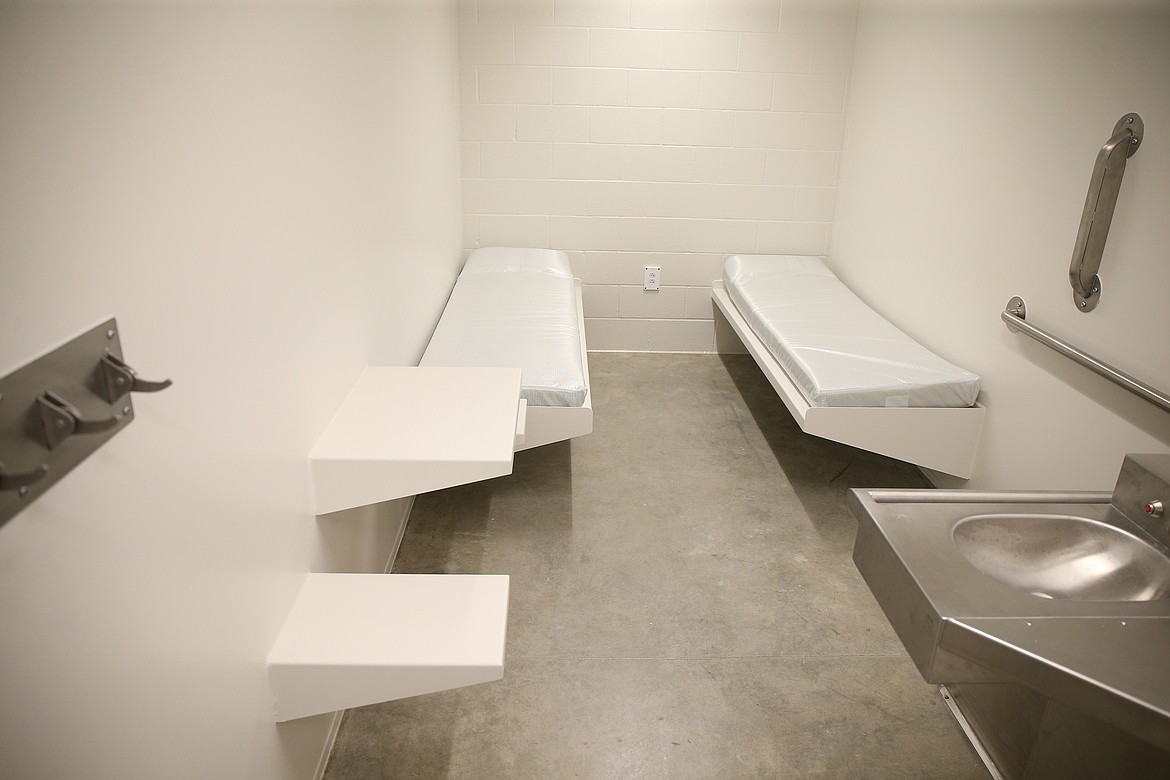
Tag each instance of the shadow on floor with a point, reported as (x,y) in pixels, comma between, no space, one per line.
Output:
(821,471)
(450,531)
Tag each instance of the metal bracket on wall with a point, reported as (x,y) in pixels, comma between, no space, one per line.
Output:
(58,409)
(1104,187)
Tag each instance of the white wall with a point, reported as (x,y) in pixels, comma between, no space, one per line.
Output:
(972,131)
(266,195)
(652,132)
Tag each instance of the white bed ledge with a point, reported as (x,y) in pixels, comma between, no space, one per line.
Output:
(549,424)
(943,439)
(357,639)
(513,306)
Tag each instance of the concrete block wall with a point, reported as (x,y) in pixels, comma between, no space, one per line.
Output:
(668,133)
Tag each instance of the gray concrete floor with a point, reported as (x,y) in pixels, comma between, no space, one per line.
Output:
(683,603)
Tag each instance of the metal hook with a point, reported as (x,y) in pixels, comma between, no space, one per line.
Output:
(62,419)
(20,481)
(121,379)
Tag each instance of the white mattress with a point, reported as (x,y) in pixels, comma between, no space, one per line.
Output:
(515,308)
(837,350)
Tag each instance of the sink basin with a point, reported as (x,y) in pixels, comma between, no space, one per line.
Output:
(1018,600)
(1064,557)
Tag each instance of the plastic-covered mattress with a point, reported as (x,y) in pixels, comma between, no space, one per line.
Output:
(515,308)
(836,349)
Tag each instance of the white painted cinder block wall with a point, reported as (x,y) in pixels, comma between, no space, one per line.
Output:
(972,132)
(266,195)
(652,132)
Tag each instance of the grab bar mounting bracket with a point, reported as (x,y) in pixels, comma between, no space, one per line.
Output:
(1018,310)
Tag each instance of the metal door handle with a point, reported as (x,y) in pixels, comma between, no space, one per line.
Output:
(21,480)
(121,379)
(62,419)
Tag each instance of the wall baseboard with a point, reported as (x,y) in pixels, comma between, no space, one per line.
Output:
(649,335)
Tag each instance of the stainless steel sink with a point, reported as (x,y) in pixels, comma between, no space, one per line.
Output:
(1064,594)
(1064,556)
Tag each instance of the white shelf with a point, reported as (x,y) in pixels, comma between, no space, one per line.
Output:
(357,639)
(407,430)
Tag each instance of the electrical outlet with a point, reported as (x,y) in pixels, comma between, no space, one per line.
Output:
(653,277)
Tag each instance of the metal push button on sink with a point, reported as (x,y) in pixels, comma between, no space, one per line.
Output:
(1063,556)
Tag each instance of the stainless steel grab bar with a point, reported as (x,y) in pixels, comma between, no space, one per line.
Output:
(1104,187)
(1014,316)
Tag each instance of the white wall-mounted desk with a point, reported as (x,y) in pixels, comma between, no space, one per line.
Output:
(406,430)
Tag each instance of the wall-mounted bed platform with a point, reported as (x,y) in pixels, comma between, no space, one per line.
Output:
(521,308)
(844,372)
